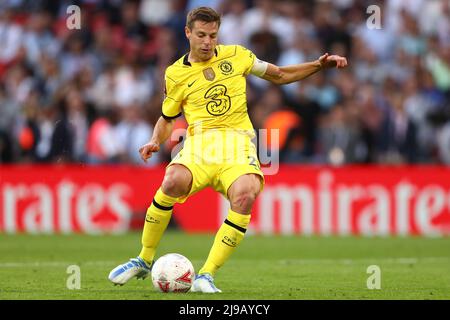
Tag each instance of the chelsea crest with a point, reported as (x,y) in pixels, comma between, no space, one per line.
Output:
(225,67)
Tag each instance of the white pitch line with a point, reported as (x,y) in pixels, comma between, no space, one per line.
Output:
(57,264)
(408,260)
(51,264)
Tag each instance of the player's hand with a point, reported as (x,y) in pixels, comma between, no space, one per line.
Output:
(327,61)
(147,150)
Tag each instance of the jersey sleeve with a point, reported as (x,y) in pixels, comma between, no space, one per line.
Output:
(246,57)
(171,107)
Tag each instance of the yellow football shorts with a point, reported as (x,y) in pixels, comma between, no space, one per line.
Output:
(217,158)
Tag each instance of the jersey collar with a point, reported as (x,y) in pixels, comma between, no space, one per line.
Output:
(186,61)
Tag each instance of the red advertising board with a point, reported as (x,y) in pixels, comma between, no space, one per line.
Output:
(361,200)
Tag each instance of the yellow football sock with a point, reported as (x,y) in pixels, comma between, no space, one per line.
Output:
(227,239)
(156,221)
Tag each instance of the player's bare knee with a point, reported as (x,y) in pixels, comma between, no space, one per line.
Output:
(176,183)
(174,188)
(242,200)
(243,193)
(168,185)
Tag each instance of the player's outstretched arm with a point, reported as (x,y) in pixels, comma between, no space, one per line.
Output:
(161,133)
(288,74)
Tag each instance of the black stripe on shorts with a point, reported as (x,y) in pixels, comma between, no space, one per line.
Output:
(171,118)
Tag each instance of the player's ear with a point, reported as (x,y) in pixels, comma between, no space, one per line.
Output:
(187,32)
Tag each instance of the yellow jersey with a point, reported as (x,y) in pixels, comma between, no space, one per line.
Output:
(211,94)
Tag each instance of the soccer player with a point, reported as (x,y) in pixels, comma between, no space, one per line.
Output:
(208,85)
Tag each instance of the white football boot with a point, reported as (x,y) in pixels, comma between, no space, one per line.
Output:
(204,283)
(136,267)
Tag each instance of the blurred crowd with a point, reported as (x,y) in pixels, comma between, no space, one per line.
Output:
(93,95)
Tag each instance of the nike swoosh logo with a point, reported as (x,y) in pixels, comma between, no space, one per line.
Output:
(190,84)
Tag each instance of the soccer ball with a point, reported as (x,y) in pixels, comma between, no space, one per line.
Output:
(173,272)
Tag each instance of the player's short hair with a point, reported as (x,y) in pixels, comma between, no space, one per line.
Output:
(204,14)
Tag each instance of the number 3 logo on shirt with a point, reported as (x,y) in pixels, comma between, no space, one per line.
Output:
(219,102)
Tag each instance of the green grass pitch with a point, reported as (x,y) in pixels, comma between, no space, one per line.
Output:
(262,268)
